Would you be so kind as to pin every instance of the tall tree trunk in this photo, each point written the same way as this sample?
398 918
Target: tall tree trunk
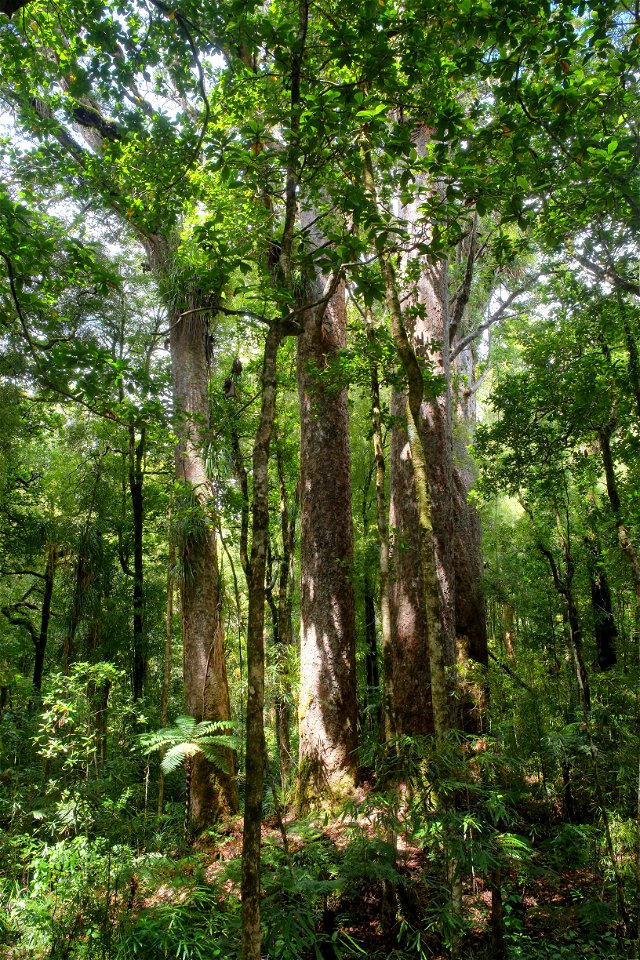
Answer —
205 677
575 634
509 621
434 573
388 727
45 617
470 607
136 480
426 319
328 704
284 696
255 752
564 586
429 336
627 545
371 706
168 645
408 673
389 693
84 576
81 585
604 624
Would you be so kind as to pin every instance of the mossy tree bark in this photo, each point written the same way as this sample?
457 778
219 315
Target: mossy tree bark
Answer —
437 638
328 704
470 607
205 678
389 693
41 640
255 753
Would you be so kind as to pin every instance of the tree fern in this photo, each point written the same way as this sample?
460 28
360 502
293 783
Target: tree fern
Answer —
188 737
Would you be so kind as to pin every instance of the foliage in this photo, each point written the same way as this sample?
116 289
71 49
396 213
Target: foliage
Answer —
187 738
153 161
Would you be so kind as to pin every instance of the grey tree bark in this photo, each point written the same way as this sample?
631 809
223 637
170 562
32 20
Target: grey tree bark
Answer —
206 691
205 678
426 318
470 607
255 766
328 704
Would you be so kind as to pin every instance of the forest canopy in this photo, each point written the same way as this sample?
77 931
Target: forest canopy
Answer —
319 510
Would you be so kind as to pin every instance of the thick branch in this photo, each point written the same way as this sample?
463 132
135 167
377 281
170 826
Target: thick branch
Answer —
291 187
462 295
510 673
495 316
608 274
9 7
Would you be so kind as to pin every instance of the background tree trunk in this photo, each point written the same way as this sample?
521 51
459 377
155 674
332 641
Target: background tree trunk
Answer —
205 678
136 481
255 753
470 607
328 704
604 624
45 617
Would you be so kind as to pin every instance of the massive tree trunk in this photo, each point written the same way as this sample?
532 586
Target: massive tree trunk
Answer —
408 667
328 705
251 929
470 608
426 317
434 323
40 641
205 677
438 639
136 455
206 691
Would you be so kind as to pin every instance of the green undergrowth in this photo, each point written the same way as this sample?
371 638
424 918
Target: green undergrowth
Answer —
90 872
80 898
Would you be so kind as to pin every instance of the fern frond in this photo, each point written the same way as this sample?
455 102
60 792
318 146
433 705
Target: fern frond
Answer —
187 738
175 756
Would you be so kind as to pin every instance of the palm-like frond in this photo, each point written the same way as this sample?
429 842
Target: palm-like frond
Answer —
176 755
188 737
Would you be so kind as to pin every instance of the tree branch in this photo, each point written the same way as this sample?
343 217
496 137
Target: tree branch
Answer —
22 573
461 298
34 347
497 315
514 676
608 274
9 7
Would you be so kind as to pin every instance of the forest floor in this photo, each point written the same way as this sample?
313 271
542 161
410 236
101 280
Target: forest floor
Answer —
334 888
324 895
